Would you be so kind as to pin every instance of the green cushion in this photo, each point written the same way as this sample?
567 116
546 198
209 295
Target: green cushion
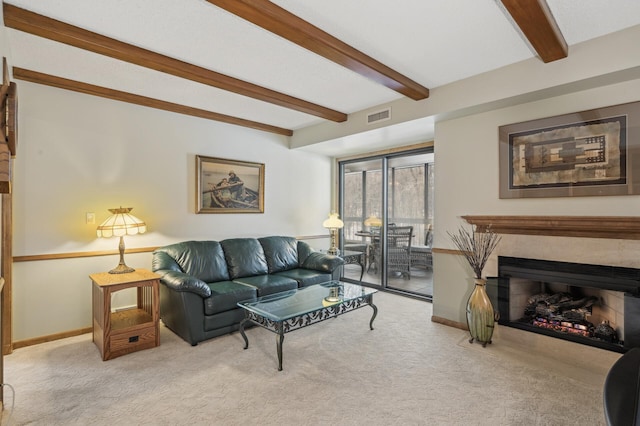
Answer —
201 259
305 277
268 284
281 253
225 295
245 257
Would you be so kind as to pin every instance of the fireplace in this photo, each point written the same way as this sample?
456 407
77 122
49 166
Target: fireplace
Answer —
595 305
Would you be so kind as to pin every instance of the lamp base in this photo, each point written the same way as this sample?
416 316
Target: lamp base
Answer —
333 250
121 269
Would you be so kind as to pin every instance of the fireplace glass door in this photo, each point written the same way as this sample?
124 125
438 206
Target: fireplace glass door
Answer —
596 305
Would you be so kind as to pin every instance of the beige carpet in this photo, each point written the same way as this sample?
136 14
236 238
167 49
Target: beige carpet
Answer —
408 371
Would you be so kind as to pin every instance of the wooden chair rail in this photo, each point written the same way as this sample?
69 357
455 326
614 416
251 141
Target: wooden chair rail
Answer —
73 255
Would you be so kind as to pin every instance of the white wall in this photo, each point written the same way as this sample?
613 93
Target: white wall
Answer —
80 153
466 153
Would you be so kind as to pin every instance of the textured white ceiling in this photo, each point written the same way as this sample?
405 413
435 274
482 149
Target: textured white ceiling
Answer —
433 42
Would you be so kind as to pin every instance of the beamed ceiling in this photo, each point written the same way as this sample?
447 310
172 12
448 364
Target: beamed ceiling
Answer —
284 65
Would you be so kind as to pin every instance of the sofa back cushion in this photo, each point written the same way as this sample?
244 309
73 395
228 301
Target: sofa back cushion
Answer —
245 257
304 250
201 259
281 253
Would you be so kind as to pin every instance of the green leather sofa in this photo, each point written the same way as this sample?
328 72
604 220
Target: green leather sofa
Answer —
202 281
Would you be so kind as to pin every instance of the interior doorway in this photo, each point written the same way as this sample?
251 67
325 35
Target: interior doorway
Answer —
386 204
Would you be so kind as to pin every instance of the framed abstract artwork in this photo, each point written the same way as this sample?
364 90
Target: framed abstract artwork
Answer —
586 153
229 186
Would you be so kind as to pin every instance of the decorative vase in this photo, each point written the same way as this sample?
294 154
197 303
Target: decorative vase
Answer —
480 314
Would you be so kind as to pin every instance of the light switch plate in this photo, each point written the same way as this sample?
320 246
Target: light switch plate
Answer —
91 218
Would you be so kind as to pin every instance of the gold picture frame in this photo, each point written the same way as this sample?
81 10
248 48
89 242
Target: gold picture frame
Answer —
229 186
586 153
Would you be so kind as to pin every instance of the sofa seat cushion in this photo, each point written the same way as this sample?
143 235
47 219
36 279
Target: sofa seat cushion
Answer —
305 277
268 284
225 295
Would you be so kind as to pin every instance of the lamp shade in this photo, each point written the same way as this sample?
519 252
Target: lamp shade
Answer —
121 223
333 222
373 221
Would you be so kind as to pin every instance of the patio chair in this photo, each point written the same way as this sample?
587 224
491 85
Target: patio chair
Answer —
421 254
399 250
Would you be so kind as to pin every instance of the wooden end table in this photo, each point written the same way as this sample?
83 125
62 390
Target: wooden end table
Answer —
130 330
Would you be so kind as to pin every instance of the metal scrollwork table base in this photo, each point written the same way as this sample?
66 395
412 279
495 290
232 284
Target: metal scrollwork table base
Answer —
293 309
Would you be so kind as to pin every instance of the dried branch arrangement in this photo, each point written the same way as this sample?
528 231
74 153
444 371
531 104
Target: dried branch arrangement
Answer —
475 246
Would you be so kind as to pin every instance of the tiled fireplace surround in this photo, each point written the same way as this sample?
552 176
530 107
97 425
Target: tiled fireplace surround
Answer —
609 241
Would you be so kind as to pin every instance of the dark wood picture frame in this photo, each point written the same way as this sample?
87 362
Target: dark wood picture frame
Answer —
586 153
229 186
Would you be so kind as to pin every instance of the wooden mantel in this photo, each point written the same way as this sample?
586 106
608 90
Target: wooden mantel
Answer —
614 227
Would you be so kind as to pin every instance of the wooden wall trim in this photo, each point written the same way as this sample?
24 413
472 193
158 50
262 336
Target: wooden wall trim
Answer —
313 237
450 323
51 337
446 251
7 273
79 254
613 227
73 255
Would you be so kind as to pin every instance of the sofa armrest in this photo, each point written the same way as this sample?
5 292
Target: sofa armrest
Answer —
179 281
322 262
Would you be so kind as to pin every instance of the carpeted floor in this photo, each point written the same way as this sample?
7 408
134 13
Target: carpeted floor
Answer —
408 371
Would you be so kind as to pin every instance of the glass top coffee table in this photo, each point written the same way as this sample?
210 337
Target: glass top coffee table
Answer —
293 309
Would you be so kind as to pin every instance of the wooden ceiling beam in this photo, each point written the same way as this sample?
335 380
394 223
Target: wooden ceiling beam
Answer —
117 95
279 21
535 20
42 26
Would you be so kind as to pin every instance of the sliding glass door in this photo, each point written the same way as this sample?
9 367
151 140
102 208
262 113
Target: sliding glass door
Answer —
361 211
386 203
